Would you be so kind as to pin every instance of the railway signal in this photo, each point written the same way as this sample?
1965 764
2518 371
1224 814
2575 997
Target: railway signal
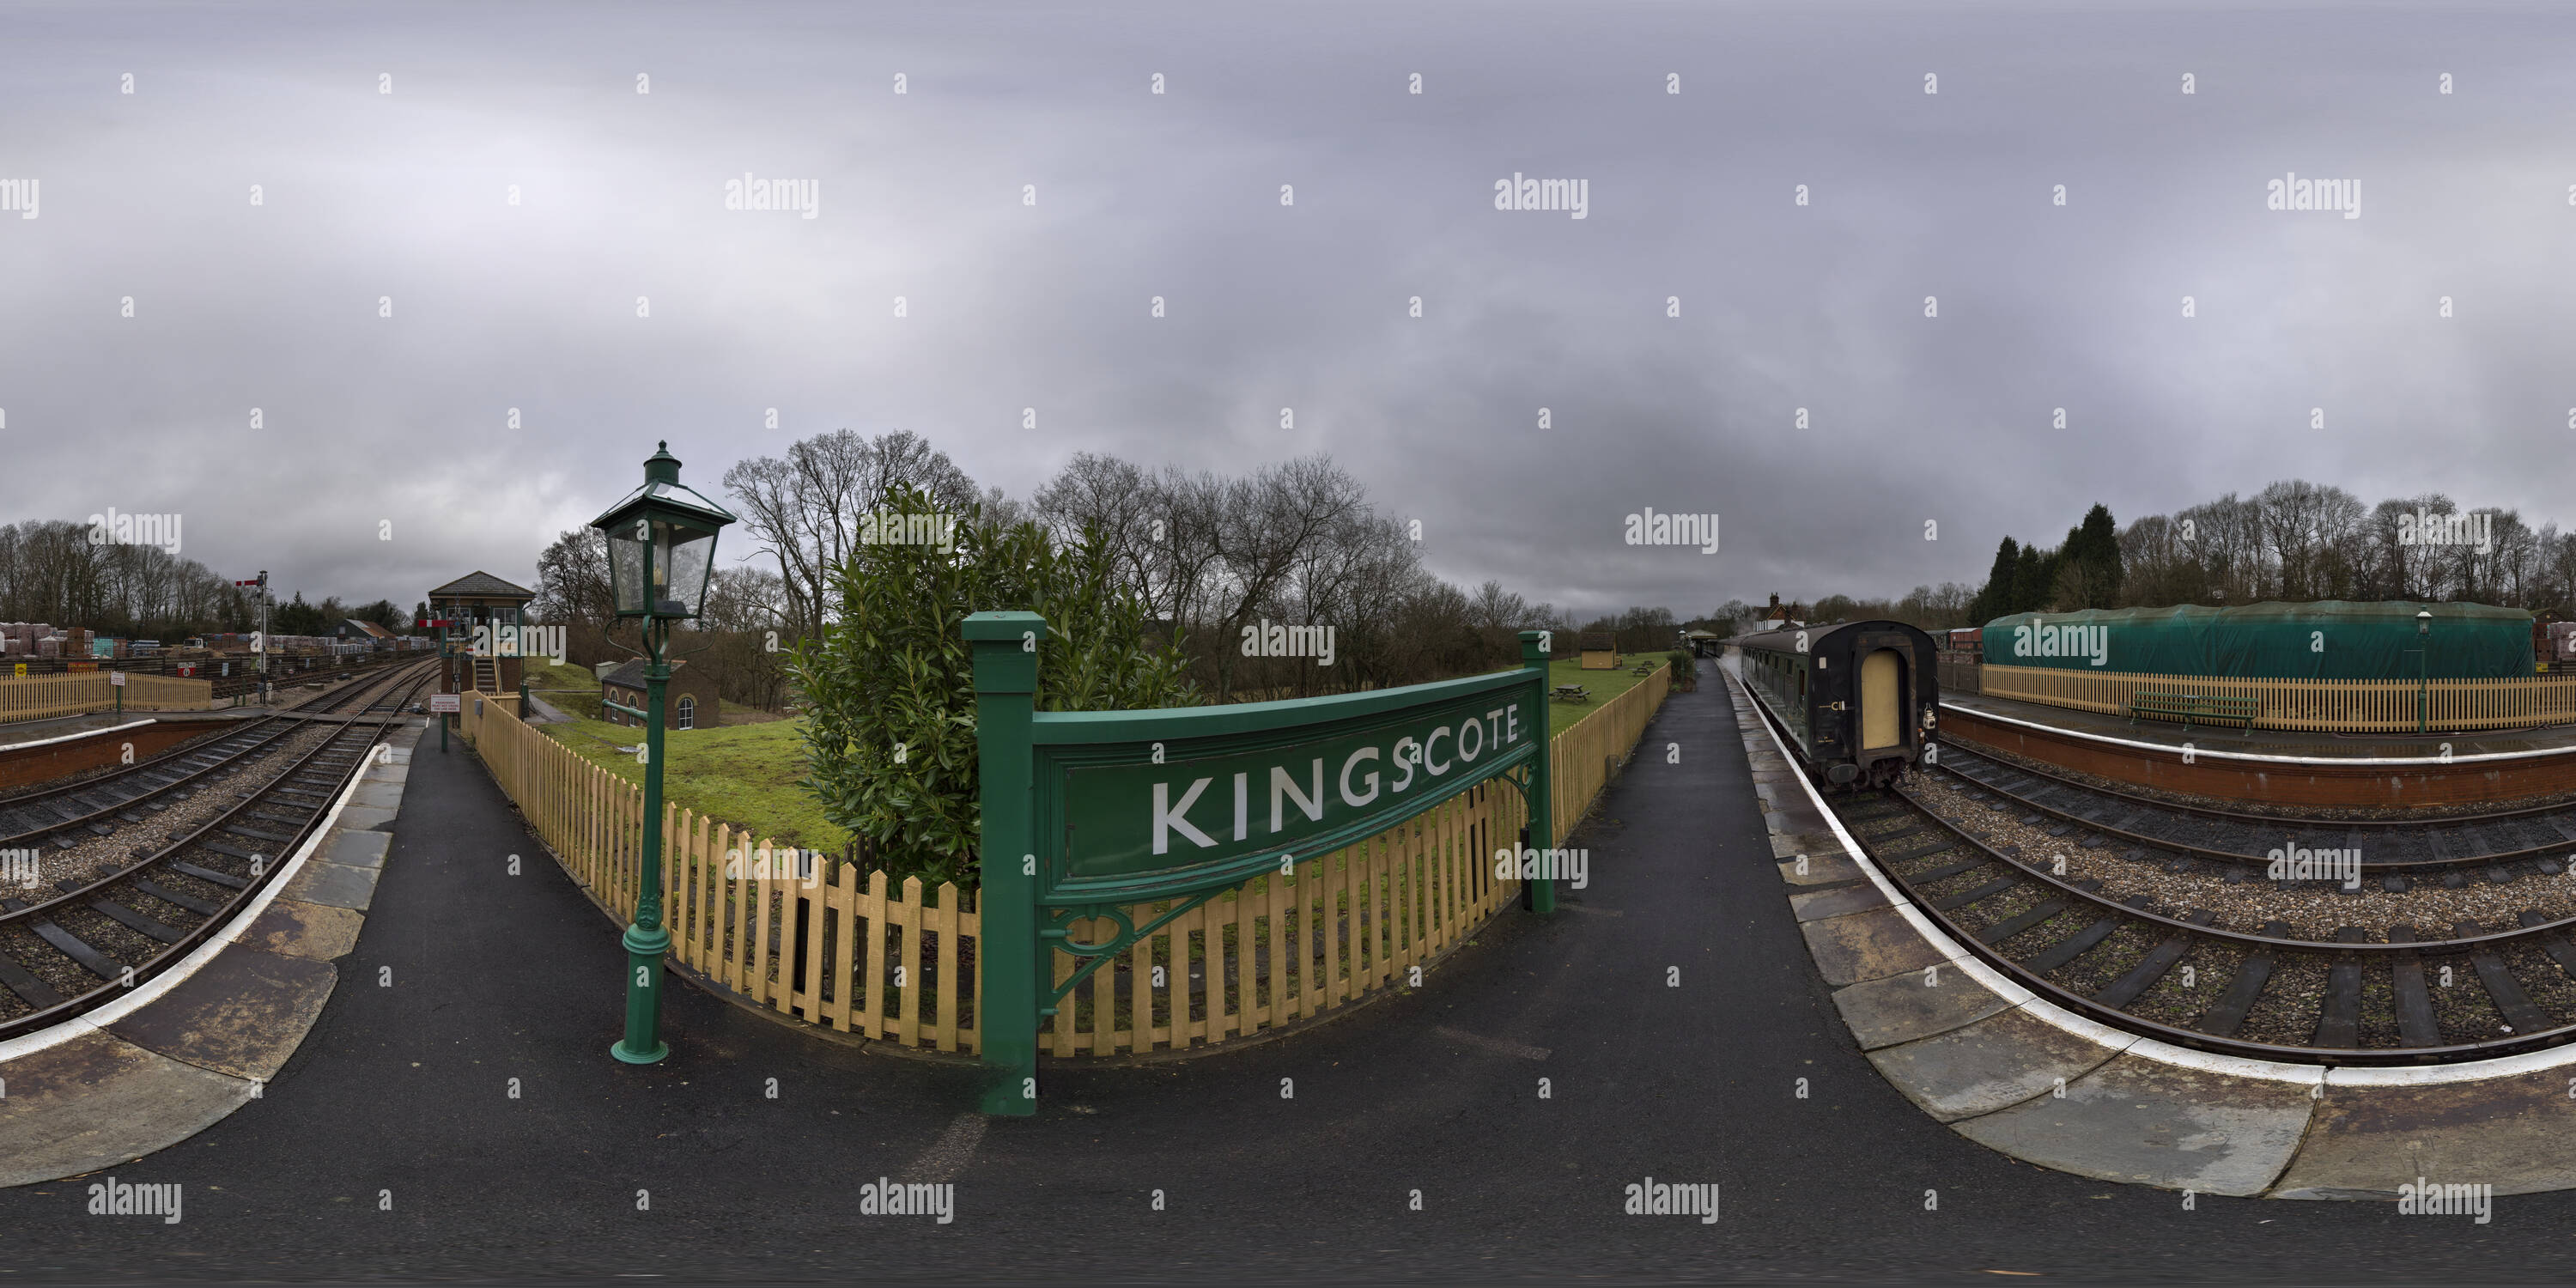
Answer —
260 649
661 552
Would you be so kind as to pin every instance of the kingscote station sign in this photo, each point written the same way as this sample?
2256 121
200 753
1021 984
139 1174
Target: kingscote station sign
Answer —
1240 790
1087 814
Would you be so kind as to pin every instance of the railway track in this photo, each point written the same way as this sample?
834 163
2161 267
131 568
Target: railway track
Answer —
2500 846
88 941
65 815
2467 992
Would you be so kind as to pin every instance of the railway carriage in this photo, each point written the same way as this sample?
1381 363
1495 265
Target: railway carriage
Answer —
1858 698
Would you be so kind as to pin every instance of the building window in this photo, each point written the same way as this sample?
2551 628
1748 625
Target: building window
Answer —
688 713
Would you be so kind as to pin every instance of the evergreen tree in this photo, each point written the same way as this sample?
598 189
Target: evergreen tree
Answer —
2094 547
1995 599
2034 580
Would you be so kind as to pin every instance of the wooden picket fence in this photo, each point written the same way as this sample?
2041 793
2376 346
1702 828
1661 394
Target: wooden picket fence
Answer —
1587 752
43 697
2339 706
823 943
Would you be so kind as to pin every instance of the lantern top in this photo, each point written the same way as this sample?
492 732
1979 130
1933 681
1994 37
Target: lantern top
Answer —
663 495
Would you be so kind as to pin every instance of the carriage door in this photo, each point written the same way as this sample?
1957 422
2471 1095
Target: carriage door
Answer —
1882 704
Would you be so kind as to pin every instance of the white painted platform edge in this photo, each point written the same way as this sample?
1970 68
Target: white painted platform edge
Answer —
215 944
2213 753
2182 1057
68 737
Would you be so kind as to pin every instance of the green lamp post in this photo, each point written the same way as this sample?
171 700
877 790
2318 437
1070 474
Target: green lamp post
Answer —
2423 668
661 554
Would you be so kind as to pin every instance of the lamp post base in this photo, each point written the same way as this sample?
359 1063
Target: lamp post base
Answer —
618 1049
643 1041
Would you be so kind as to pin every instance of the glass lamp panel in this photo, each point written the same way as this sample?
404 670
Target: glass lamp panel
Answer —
661 597
626 568
692 551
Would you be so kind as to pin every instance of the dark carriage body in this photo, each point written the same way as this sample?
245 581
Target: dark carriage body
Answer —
1860 699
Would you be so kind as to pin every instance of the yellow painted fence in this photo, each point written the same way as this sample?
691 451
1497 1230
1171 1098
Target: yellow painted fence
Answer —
2342 706
826 944
43 697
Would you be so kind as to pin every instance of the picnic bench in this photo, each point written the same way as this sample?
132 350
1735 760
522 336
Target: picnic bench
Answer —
2194 708
1570 693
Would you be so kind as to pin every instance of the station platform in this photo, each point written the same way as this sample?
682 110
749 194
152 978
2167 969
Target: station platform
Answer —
452 1109
2273 742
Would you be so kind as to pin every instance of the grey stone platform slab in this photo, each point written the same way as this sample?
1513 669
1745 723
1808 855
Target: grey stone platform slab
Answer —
1992 1064
96 1101
340 887
1866 945
1821 869
1791 844
292 927
2515 1133
2152 1123
361 817
242 1013
356 849
1903 1008
1815 905
377 794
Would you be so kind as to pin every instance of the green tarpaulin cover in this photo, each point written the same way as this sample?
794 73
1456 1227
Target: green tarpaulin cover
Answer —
2328 640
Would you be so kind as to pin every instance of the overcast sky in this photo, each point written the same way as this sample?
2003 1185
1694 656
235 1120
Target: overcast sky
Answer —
367 195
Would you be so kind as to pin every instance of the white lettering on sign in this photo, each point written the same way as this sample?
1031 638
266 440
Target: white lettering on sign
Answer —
1310 787
1167 818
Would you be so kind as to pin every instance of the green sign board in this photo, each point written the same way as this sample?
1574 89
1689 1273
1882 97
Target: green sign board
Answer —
1088 813
1187 800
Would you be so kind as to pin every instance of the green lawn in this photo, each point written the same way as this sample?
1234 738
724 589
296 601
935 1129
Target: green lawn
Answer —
571 689
744 775
1604 685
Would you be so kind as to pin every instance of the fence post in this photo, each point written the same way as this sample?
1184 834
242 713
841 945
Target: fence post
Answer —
1006 954
1542 815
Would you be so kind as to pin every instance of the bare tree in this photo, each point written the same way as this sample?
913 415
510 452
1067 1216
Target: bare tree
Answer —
805 508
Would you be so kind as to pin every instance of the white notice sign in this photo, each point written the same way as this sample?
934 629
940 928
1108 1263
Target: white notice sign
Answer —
443 704
116 678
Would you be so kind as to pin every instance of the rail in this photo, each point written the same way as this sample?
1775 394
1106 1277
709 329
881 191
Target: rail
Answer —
172 898
1924 853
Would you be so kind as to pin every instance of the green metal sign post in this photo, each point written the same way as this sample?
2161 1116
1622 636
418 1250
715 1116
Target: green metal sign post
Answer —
1088 812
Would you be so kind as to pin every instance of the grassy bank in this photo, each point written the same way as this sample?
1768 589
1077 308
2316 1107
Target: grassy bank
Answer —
1603 685
570 689
744 775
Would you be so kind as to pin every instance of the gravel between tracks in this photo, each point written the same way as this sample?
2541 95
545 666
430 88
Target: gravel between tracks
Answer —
98 855
2304 813
218 792
2312 913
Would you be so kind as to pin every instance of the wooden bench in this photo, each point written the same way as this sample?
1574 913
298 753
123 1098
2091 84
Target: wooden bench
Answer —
1570 693
2194 708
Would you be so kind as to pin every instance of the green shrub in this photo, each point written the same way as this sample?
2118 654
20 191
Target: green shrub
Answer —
1685 667
890 688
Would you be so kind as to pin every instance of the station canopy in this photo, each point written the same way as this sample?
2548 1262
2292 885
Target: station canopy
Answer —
2326 640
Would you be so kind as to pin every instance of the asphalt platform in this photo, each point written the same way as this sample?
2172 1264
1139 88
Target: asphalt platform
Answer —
389 1145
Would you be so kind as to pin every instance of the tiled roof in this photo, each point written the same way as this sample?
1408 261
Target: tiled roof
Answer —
631 675
483 584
